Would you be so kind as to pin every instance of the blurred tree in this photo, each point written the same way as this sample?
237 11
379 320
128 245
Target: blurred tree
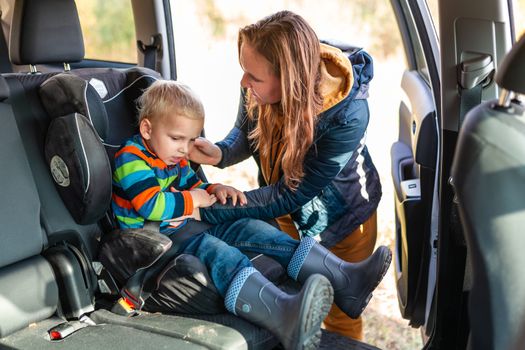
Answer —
372 17
108 29
377 18
214 16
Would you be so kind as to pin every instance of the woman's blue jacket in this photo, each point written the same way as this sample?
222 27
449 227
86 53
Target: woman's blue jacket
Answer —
341 187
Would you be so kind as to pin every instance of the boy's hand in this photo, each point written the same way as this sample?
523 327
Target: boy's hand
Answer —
196 215
201 198
222 192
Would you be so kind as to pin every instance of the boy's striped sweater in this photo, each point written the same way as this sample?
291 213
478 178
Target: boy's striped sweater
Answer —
142 183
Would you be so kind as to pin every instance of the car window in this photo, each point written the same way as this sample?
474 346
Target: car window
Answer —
108 30
418 61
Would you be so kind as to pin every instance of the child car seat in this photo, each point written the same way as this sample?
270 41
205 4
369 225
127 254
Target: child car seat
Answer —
79 148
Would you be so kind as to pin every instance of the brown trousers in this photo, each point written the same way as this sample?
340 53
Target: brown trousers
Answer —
354 248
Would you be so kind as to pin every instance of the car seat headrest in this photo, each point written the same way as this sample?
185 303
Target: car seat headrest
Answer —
511 72
107 97
66 93
45 31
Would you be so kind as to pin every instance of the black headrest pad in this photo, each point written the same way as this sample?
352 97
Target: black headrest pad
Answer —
511 71
66 93
45 31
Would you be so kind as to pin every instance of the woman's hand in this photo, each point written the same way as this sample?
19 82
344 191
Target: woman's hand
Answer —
222 192
205 152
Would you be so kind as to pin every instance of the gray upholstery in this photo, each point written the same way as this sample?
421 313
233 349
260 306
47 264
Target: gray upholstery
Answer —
45 32
224 331
103 336
489 180
21 235
28 293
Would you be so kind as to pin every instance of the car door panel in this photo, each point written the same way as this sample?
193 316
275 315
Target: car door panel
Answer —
413 171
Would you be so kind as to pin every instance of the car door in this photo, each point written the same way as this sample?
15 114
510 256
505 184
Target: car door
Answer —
455 73
474 37
414 163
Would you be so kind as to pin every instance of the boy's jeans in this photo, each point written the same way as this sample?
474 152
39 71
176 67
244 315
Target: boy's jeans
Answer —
221 248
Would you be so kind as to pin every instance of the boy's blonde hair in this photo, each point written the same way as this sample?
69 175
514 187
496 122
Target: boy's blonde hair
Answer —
168 97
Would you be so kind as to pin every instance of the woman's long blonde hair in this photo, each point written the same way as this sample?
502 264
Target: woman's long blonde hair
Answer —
291 46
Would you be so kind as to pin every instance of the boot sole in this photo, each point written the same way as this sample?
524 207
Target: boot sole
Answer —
367 295
315 308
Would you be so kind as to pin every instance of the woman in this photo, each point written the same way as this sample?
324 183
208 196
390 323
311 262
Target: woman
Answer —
302 119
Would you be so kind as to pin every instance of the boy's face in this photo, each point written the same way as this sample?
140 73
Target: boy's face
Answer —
171 137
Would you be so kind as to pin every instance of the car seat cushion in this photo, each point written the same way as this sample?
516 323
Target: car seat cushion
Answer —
29 294
183 285
123 252
80 167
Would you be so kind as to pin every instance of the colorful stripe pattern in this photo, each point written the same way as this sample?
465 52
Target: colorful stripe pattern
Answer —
141 186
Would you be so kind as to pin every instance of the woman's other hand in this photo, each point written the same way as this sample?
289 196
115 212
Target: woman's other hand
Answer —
223 192
205 152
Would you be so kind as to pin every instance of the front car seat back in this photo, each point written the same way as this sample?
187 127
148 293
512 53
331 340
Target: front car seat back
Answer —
489 179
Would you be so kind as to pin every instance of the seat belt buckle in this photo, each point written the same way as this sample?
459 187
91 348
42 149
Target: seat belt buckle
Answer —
125 307
64 330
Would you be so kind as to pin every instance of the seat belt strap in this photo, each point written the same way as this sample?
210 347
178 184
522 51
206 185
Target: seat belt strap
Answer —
152 225
474 71
151 51
470 98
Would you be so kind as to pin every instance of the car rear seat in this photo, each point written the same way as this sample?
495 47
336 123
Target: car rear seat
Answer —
29 290
58 225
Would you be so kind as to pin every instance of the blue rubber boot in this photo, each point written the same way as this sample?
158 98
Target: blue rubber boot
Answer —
353 283
294 319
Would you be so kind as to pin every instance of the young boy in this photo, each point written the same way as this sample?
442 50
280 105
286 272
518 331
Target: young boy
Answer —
153 181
